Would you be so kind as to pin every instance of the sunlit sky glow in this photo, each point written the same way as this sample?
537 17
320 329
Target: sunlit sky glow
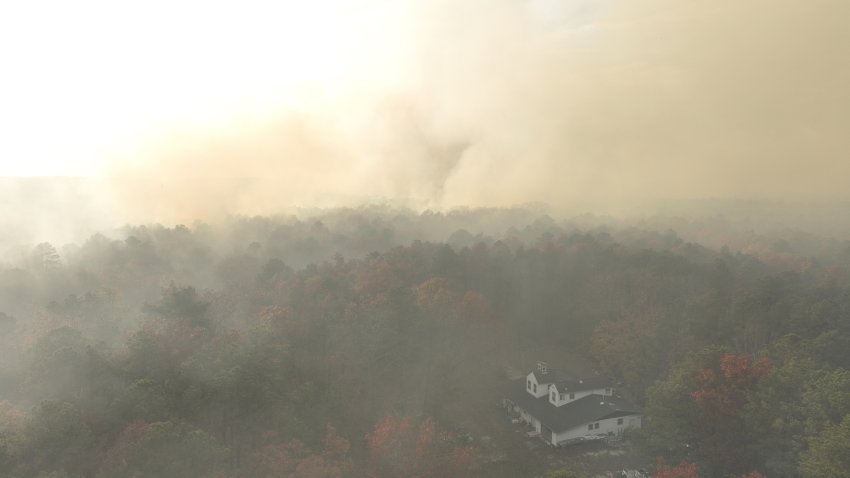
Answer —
453 102
82 79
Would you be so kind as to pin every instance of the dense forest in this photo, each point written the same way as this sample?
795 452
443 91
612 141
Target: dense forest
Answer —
375 342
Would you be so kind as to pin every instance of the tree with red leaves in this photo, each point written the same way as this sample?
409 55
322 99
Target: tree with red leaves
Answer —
720 398
398 447
686 469
293 459
174 449
474 307
682 470
752 474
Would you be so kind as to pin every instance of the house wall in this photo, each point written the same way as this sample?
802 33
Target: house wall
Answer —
605 427
583 393
528 418
542 388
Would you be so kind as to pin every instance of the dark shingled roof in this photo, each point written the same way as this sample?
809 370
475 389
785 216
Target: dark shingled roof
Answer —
578 385
551 376
587 409
566 383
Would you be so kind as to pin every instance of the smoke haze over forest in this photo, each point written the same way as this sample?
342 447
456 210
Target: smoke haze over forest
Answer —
437 104
321 239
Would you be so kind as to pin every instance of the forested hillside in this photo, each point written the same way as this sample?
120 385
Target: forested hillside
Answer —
368 343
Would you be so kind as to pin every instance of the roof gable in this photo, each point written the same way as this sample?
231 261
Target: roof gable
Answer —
583 384
551 376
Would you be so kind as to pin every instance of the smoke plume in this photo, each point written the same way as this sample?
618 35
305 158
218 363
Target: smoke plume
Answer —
494 102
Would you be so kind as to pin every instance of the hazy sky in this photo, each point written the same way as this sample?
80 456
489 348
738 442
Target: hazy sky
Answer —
196 107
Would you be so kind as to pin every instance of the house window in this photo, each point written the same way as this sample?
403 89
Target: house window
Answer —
596 426
528 385
590 426
535 388
554 397
619 421
563 396
572 396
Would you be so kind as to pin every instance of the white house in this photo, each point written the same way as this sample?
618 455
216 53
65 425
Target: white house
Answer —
563 410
